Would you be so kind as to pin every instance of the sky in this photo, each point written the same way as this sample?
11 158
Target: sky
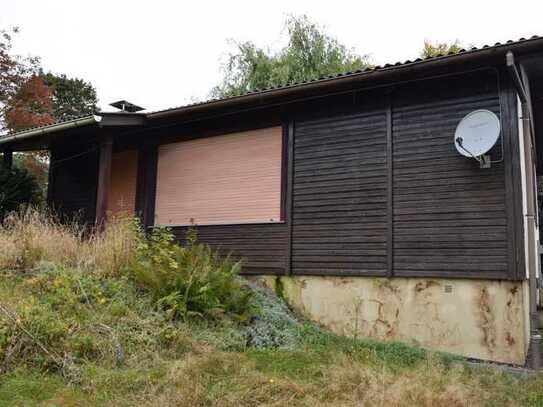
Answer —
161 53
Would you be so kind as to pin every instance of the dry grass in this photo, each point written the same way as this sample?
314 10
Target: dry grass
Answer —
233 379
31 236
171 363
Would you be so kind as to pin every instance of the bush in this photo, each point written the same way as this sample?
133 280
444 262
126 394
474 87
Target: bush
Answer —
17 187
190 281
275 326
57 319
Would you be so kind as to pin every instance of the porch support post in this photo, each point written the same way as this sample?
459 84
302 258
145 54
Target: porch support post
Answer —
104 181
8 159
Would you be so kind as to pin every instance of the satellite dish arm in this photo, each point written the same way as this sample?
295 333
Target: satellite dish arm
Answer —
459 141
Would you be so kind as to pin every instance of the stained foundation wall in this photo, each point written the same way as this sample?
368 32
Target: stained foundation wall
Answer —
480 319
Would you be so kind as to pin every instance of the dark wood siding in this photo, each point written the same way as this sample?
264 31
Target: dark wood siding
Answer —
383 191
74 174
373 186
449 214
261 247
339 218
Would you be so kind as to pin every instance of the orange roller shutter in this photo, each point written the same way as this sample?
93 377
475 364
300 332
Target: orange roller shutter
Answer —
229 179
122 196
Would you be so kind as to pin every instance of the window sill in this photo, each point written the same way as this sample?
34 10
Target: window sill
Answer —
184 225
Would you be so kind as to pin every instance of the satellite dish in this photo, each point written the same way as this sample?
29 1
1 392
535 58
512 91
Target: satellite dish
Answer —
477 133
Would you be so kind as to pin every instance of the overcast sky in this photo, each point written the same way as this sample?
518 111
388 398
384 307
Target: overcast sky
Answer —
160 53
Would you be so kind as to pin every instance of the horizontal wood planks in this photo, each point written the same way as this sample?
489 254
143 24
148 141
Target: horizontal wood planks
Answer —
261 247
339 218
449 214
383 191
374 187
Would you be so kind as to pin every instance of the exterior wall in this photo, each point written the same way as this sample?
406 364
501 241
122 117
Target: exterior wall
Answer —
479 319
449 215
73 182
375 189
383 191
228 179
122 196
261 248
339 215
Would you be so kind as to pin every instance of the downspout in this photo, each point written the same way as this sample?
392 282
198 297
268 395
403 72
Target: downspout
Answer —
535 337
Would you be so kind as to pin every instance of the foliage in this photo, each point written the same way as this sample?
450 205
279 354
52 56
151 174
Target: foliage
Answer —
434 49
19 82
37 165
74 330
275 326
72 97
17 187
30 236
310 53
30 98
31 106
64 318
189 281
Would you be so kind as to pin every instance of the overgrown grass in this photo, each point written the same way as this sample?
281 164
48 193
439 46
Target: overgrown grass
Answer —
77 329
29 236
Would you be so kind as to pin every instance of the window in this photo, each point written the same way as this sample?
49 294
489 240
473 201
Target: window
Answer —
229 179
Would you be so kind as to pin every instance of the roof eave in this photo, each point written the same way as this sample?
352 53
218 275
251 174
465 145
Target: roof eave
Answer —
102 120
79 122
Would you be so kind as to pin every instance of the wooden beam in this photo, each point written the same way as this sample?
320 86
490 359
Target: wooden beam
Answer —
390 190
51 178
104 181
8 159
289 194
146 184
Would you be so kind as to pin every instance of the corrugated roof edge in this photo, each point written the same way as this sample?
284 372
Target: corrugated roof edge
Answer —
324 79
89 119
31 132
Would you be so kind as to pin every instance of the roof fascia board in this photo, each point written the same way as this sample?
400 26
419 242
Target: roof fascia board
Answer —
121 119
82 121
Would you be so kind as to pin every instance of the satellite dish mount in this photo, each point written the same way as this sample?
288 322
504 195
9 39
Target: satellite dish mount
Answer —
484 159
476 134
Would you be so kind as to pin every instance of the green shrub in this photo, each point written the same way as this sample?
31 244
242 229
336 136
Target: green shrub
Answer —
190 281
276 326
17 187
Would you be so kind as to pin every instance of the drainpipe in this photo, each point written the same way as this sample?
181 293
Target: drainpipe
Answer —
535 337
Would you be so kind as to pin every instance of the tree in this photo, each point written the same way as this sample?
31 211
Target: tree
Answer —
29 97
310 53
72 97
434 49
30 106
24 98
17 187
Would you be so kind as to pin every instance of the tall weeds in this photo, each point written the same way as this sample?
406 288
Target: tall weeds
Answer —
31 236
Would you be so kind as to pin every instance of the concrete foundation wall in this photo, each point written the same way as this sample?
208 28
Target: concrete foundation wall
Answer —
474 318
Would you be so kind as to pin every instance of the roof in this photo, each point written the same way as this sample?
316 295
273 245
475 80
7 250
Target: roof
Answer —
365 71
288 87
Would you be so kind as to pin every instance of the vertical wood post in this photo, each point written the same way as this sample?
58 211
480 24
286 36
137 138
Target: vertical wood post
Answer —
289 194
513 189
8 159
104 181
51 179
146 184
390 190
